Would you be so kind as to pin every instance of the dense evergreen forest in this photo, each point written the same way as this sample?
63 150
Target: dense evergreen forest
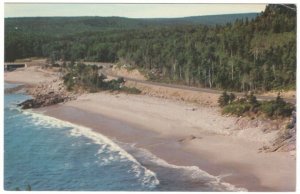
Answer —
237 52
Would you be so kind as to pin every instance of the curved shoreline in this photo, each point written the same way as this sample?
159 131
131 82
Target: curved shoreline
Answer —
171 150
183 136
140 156
111 129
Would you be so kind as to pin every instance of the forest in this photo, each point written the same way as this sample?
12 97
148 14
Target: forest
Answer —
251 52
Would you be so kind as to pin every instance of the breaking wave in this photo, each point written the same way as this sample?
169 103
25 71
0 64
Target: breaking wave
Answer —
114 153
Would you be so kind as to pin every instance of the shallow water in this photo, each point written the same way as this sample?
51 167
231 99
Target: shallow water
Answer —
49 154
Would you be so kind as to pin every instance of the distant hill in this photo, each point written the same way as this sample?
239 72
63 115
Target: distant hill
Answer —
62 25
205 20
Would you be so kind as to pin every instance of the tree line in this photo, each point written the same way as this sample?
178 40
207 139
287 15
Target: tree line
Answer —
243 55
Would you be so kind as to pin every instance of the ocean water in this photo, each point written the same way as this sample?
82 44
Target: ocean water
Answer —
53 155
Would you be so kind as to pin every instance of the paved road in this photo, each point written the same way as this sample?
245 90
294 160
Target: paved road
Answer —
212 91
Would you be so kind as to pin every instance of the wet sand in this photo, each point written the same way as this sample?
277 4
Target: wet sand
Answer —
154 124
180 133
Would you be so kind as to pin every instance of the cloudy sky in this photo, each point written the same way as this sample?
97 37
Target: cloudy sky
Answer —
126 10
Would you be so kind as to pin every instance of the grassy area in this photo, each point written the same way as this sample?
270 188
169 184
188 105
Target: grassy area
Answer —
130 90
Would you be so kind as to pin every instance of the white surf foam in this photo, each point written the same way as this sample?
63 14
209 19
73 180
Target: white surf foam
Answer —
117 154
194 173
147 177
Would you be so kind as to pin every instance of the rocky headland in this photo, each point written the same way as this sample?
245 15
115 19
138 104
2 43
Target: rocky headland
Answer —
47 94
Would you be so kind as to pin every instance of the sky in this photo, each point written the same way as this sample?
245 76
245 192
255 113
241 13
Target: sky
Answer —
126 10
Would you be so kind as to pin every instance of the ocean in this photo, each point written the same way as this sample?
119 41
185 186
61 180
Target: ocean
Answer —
47 154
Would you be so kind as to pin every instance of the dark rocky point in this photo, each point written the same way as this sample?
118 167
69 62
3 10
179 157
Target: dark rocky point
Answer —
44 100
47 94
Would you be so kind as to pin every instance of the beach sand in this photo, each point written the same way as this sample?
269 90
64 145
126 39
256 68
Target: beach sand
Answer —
180 133
185 134
29 76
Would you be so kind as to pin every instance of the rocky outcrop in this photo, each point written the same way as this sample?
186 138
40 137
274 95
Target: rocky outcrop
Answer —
286 140
44 100
47 94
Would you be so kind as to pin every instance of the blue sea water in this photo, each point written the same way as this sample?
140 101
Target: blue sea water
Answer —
53 155
49 155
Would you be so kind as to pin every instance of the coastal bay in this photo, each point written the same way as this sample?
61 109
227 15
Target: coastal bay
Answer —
176 97
182 134
200 138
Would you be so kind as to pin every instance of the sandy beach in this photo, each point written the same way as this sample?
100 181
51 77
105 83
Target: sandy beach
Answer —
181 133
31 76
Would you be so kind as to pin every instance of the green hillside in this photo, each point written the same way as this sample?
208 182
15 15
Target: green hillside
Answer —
257 53
59 26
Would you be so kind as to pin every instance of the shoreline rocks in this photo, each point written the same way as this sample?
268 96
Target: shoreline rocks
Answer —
47 94
44 100
286 140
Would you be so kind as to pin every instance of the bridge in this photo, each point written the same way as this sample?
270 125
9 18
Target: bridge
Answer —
14 66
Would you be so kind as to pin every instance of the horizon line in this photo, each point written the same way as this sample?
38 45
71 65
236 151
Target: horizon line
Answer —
133 17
